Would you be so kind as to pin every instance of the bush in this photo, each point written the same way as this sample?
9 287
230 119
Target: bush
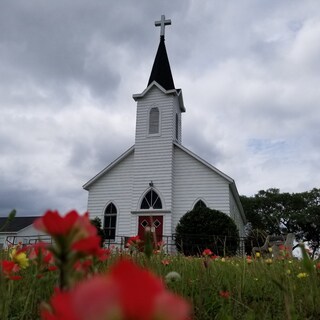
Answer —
204 228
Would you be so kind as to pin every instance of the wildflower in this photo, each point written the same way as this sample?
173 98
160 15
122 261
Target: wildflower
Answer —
214 257
224 294
288 271
165 262
9 269
270 249
87 246
173 276
133 241
207 252
258 255
302 275
78 226
268 261
318 266
127 292
249 259
20 258
223 260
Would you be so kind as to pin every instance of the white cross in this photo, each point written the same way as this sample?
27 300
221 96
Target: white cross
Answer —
162 23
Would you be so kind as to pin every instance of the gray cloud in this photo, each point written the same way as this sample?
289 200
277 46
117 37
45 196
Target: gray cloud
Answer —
249 73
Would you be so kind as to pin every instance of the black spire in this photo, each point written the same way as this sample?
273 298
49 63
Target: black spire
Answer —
161 72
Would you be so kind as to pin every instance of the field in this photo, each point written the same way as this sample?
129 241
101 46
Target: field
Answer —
75 279
217 288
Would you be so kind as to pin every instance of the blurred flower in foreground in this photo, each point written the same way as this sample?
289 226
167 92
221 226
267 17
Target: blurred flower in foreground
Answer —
19 256
9 270
127 292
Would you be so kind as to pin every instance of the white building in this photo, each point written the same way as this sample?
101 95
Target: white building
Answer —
158 180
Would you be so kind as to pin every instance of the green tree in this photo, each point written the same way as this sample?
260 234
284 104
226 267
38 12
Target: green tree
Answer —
272 212
204 228
97 223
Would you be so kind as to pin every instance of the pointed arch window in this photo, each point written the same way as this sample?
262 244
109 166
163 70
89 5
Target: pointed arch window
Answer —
151 201
154 117
199 204
110 221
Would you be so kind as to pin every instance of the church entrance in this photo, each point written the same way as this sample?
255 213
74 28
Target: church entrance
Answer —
156 225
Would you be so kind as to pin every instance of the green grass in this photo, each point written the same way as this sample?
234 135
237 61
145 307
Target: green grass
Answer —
282 289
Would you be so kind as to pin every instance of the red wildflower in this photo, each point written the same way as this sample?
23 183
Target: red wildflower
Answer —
9 269
133 241
127 292
56 225
87 246
224 294
207 252
318 266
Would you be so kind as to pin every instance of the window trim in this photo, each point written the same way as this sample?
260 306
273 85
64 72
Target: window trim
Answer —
198 200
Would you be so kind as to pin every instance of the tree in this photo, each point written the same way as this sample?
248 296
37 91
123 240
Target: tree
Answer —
273 212
204 228
97 223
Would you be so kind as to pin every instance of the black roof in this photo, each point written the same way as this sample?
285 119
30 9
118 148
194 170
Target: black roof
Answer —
16 224
161 72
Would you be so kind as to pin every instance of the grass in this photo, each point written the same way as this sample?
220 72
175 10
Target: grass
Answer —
223 288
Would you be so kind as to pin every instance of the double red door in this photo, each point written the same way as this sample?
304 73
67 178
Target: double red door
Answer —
154 222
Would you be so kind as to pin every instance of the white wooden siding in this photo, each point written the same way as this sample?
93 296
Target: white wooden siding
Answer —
153 156
115 186
194 180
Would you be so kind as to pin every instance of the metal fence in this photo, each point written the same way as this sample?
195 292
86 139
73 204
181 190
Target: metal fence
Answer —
172 243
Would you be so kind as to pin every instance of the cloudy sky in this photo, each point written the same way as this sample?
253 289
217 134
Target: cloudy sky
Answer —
249 71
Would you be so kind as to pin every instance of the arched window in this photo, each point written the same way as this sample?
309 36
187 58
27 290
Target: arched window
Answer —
151 201
110 221
199 204
154 120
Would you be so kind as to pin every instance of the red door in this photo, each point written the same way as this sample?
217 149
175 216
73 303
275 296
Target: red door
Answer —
155 223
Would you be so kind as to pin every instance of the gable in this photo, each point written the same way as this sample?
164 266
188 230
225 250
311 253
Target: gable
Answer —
112 165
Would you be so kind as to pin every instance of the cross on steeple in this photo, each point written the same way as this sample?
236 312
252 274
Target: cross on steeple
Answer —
162 23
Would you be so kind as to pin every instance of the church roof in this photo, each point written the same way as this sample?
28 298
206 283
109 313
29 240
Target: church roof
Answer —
161 71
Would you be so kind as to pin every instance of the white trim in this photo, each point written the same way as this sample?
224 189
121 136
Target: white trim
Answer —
207 164
148 212
109 167
176 92
198 199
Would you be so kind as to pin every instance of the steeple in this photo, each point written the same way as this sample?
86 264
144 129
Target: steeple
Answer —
161 71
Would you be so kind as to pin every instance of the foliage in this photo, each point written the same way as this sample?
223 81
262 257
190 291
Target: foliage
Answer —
273 212
206 228
98 224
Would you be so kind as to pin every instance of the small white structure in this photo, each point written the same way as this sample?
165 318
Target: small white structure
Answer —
157 180
20 229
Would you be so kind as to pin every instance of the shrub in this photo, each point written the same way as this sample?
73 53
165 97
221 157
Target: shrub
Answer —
203 228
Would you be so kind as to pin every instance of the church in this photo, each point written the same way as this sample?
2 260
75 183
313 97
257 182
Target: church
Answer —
156 181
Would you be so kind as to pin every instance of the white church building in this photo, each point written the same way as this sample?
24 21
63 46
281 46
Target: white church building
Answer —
156 181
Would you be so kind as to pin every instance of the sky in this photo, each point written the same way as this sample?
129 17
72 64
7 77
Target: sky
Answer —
249 71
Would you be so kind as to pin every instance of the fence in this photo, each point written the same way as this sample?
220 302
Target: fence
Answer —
172 243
